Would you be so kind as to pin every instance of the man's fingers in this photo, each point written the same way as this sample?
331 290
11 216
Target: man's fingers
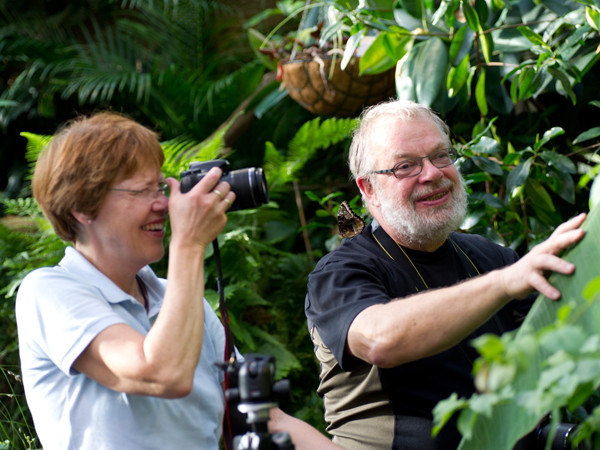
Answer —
560 240
571 224
541 284
555 264
545 264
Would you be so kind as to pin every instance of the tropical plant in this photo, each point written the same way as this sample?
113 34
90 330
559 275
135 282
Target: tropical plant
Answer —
550 367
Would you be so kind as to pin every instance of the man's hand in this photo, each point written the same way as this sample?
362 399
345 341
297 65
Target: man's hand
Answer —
531 272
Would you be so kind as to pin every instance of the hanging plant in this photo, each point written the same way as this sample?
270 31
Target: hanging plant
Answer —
317 62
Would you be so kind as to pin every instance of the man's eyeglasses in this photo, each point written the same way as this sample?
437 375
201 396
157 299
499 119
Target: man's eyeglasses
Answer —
411 167
147 193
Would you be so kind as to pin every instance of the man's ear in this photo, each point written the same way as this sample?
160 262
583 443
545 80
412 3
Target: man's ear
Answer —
367 190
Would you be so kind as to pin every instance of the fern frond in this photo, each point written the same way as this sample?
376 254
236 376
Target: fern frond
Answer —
314 135
35 144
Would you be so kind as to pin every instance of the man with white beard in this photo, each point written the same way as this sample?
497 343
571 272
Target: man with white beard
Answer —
392 310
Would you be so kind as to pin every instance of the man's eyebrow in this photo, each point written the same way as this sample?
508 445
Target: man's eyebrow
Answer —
402 154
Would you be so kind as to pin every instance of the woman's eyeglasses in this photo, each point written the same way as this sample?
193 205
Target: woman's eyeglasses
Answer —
147 193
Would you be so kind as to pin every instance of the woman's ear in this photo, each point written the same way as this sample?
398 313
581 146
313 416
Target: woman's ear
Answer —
82 218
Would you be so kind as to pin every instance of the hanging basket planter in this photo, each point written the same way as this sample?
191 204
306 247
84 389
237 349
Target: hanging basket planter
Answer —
339 93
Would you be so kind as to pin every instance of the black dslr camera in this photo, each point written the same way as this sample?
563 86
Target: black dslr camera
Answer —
249 185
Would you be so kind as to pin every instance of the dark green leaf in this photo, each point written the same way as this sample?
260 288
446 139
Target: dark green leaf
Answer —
487 165
518 175
461 45
472 219
561 162
413 7
592 133
478 177
538 195
486 145
471 16
565 83
482 10
562 184
430 68
488 199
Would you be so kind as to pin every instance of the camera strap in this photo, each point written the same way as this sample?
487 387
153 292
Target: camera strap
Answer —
229 344
229 355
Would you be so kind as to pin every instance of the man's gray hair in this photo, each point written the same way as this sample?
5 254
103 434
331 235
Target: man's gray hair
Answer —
360 158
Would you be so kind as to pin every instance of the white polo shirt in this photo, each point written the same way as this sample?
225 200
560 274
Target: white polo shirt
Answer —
59 311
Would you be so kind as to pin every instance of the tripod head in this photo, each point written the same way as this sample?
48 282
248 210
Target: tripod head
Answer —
255 393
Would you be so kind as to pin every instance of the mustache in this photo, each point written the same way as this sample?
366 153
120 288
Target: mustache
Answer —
428 190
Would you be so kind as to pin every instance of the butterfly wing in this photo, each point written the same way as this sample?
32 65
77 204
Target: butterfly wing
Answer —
349 223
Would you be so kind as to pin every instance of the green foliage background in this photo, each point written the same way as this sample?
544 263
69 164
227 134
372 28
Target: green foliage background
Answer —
516 81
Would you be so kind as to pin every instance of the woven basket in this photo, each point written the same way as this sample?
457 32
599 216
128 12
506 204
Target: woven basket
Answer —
340 93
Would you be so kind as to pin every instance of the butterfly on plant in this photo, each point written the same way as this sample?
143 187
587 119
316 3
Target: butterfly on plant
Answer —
349 223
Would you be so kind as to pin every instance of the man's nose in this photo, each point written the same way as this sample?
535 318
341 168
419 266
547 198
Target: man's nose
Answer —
429 172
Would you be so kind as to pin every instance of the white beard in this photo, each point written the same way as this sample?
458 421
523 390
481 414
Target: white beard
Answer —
414 229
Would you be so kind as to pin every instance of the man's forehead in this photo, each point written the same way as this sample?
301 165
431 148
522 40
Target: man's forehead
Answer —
397 138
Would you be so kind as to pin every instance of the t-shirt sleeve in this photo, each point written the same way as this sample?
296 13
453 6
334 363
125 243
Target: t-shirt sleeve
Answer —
58 316
338 290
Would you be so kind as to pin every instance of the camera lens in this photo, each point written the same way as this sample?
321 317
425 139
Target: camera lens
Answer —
560 438
250 187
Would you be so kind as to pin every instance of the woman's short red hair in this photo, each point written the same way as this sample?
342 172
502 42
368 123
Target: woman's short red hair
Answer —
81 162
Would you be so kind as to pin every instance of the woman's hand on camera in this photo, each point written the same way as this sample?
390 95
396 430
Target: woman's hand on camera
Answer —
198 216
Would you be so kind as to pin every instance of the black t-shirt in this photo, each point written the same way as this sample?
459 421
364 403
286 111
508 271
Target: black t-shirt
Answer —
371 269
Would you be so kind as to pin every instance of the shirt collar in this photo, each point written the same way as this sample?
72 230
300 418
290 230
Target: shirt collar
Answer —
75 263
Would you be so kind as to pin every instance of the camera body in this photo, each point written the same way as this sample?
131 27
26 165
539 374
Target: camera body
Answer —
249 184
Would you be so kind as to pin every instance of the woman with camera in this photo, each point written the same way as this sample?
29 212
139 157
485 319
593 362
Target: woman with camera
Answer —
112 356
